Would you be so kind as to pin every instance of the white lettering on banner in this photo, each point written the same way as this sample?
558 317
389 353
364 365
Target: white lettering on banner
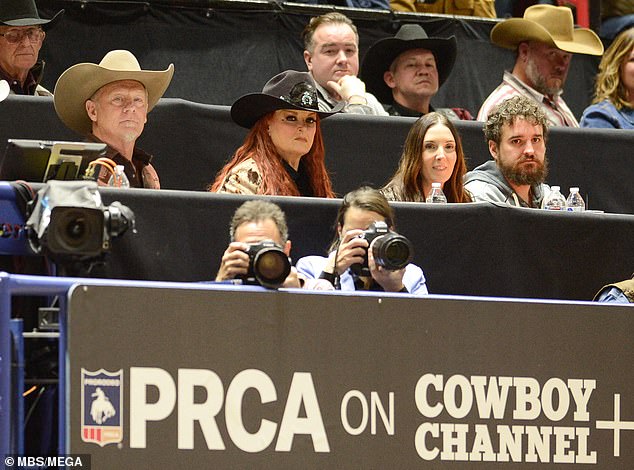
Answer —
557 403
140 410
189 412
243 439
302 391
540 441
376 405
457 395
301 394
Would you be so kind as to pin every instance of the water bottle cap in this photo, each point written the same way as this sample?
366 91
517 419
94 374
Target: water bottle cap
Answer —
435 185
555 188
574 190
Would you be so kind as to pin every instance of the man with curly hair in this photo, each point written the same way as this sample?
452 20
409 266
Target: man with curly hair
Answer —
516 132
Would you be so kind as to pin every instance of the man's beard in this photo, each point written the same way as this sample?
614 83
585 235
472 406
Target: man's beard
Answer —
525 176
538 81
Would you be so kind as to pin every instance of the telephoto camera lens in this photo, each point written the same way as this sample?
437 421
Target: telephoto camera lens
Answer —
390 250
268 264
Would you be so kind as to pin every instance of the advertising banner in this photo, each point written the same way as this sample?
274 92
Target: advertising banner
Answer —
249 379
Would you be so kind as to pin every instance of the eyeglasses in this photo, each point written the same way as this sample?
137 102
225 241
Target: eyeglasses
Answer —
16 36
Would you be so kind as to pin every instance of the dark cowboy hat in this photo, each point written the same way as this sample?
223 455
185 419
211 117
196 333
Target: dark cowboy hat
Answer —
382 53
24 13
286 90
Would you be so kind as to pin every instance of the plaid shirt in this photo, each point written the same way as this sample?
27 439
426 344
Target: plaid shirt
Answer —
556 110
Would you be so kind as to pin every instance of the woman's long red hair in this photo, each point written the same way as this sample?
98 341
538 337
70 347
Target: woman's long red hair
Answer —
275 179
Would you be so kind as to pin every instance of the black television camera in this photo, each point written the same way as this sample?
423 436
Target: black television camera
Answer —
268 265
390 250
70 225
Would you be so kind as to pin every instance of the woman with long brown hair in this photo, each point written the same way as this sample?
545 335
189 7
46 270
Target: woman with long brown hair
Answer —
283 153
432 154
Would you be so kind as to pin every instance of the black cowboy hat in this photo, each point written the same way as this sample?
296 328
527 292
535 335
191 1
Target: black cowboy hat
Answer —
382 53
286 90
24 13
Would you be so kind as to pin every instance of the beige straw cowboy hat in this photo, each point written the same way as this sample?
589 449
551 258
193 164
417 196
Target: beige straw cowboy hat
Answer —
78 83
549 24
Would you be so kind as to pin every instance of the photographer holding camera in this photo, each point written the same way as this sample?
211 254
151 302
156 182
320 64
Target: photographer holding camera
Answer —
366 254
259 248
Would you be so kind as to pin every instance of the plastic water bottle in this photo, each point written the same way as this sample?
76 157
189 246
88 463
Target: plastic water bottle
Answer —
555 201
436 195
575 202
119 179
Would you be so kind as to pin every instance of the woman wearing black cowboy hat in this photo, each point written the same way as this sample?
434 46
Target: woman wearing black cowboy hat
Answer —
283 154
22 33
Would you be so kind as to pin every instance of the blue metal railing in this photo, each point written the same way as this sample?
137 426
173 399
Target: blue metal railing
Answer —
17 284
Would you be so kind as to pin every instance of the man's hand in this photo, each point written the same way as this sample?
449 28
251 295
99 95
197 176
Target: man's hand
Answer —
292 280
391 281
235 262
350 88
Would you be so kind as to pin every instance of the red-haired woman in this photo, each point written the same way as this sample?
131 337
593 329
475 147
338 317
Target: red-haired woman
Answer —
283 154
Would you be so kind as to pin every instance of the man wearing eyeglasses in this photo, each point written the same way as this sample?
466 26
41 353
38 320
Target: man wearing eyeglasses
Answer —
22 33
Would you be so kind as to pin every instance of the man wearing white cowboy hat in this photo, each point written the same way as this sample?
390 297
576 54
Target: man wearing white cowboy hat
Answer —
22 33
405 72
108 102
545 39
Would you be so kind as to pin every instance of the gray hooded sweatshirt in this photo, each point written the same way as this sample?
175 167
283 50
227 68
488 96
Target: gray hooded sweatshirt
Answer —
487 184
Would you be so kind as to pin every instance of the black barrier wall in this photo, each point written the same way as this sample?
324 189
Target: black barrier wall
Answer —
464 249
191 142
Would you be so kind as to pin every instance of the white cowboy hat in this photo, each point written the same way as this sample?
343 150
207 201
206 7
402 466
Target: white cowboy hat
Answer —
79 82
549 24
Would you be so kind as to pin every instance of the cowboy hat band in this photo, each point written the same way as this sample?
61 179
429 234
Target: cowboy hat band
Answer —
287 90
382 54
548 24
79 82
24 13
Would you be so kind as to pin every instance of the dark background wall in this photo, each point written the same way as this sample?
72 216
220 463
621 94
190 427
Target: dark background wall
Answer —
222 50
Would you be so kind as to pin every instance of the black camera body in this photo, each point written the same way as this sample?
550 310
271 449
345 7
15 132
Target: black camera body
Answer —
390 250
268 265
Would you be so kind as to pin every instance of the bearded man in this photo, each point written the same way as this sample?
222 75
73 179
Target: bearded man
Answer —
544 40
516 133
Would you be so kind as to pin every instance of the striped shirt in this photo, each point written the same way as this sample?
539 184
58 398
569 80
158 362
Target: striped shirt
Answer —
556 110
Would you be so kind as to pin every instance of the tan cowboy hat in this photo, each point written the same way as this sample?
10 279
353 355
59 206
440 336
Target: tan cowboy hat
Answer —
549 24
78 83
